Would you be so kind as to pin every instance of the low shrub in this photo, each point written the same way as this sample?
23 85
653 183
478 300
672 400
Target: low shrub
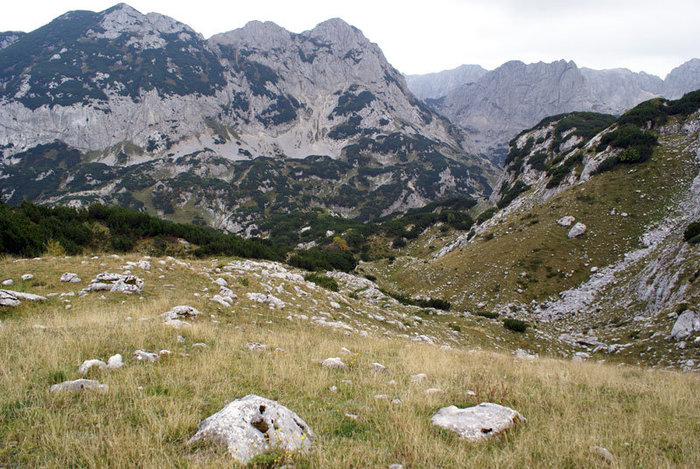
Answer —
321 280
515 325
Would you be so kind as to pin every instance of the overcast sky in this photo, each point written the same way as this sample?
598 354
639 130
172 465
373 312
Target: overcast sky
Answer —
432 35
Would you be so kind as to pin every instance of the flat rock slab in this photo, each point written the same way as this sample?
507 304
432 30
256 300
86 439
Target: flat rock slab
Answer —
685 325
477 423
78 385
252 425
14 298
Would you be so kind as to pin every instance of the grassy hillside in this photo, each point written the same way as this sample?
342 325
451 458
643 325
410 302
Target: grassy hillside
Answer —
150 410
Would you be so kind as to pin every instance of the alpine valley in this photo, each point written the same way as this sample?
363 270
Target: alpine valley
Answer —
266 213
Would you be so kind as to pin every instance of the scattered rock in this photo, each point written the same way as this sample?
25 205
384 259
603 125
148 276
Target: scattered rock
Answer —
114 362
352 416
434 391
603 453
334 363
116 283
252 425
594 269
79 385
581 356
180 339
334 388
578 230
470 392
566 221
419 377
14 298
8 282
379 368
142 355
395 466
27 277
221 282
200 345
70 277
255 347
345 351
272 301
687 323
175 316
87 364
477 423
524 355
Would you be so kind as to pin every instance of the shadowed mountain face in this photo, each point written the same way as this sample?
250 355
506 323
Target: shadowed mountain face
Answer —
496 105
165 120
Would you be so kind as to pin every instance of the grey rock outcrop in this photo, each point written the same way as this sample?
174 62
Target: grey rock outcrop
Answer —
8 38
116 283
14 298
334 363
566 221
252 425
79 385
477 423
180 312
70 277
686 324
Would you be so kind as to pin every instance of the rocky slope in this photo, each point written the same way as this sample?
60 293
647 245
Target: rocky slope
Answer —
141 110
515 96
587 234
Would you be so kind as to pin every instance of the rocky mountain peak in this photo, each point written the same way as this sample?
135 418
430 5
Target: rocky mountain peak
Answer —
123 19
682 79
254 35
340 33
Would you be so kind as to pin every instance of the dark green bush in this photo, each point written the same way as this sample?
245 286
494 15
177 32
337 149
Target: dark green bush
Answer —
692 233
321 280
317 259
488 314
515 325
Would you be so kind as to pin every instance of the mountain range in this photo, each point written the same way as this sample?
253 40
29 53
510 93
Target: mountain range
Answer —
495 105
140 110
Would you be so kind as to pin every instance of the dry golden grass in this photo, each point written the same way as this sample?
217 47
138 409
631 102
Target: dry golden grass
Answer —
646 419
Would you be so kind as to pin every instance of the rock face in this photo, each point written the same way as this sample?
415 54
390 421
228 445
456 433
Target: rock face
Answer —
686 324
682 79
252 425
477 423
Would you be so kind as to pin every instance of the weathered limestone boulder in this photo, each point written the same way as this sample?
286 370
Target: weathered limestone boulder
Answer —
272 301
87 364
107 281
379 368
70 277
566 221
252 425
27 277
79 385
14 298
686 324
578 230
7 283
143 356
175 316
477 423
255 346
334 363
418 377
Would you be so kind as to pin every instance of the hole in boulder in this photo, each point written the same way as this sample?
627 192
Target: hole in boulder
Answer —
261 425
300 425
486 430
262 409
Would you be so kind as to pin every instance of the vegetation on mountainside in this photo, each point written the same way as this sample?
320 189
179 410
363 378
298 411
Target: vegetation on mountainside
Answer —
27 230
692 233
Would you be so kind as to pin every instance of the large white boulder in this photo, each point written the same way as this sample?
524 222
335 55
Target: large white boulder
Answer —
252 425
334 363
477 423
578 230
685 325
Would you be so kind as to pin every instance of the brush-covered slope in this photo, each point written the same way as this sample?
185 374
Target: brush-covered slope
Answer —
635 186
118 106
362 418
